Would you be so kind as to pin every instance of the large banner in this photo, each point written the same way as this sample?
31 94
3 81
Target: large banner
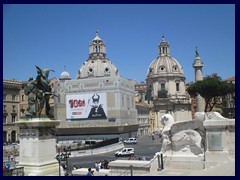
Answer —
86 106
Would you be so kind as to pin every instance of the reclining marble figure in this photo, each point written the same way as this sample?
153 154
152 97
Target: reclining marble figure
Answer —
182 137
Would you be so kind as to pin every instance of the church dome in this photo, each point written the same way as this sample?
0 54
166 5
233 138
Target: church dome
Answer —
165 77
97 64
164 64
97 68
65 75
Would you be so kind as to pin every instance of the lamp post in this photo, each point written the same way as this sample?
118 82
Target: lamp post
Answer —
63 156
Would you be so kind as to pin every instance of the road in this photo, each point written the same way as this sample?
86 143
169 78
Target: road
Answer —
145 147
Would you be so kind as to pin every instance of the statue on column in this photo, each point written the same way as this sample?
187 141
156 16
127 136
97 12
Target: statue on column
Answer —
39 92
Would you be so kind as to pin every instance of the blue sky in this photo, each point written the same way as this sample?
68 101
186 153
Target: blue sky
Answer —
54 36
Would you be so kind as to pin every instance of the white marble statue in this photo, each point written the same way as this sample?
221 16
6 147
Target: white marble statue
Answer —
167 121
181 137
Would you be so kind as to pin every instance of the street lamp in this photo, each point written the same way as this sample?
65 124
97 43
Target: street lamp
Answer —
63 156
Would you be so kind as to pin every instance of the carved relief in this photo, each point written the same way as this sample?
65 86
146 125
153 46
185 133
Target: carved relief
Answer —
40 132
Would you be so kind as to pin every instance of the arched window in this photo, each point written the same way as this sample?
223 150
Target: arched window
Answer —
162 86
13 136
177 86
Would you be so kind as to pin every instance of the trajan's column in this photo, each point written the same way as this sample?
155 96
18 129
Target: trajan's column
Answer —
197 65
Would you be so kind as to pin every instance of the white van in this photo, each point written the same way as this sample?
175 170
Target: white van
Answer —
130 141
125 152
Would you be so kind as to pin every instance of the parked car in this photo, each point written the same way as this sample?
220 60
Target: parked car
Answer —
125 152
130 141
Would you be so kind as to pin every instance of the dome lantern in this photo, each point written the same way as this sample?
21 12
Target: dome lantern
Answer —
97 48
164 49
97 64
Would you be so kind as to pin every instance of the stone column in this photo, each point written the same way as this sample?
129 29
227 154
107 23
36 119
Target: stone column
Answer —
197 65
38 146
216 138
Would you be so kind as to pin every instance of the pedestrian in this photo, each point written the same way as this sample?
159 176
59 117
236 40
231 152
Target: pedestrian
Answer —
4 166
11 157
96 166
99 165
8 165
92 172
89 172
153 137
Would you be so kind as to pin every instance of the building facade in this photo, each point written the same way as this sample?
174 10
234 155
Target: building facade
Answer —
166 89
142 109
11 109
143 118
193 101
98 101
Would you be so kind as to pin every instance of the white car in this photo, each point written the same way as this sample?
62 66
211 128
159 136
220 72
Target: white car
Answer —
125 152
130 141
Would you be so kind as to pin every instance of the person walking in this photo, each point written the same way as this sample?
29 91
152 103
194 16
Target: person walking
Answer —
153 136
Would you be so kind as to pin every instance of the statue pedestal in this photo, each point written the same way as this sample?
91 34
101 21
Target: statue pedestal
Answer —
216 138
38 146
183 162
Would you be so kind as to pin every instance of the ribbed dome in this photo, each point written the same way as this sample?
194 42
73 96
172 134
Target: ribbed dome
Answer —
97 68
165 65
64 75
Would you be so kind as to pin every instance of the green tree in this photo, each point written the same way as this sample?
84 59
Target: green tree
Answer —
211 89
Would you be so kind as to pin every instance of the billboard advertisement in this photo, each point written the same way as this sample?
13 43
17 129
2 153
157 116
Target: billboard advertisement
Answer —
86 106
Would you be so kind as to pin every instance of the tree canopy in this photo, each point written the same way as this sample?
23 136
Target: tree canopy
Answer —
211 89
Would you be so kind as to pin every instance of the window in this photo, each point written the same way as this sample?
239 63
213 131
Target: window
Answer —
90 71
22 111
22 97
4 108
13 108
177 86
13 97
13 118
162 68
4 96
162 87
4 119
175 68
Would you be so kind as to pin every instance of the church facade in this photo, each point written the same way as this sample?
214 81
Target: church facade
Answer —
166 91
98 101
